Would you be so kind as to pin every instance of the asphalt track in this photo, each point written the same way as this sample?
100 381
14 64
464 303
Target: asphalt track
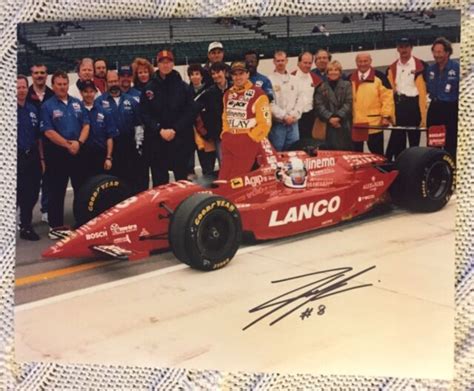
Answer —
38 278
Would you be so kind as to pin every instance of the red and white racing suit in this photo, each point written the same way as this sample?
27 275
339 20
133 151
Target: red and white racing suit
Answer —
246 120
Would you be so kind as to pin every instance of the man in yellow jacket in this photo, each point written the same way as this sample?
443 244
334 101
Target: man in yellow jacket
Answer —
406 76
246 120
372 102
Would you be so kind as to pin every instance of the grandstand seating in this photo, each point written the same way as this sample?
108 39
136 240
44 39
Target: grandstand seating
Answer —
122 40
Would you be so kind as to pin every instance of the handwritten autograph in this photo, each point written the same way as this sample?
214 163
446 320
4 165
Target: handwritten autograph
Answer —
324 287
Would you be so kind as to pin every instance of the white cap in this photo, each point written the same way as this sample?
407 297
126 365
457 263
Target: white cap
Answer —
215 45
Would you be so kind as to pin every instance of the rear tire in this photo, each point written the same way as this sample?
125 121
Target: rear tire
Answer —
426 179
205 231
98 194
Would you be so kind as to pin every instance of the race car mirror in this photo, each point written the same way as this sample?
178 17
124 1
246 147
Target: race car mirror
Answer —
360 132
436 136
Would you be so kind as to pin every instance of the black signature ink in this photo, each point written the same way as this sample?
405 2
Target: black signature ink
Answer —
321 309
324 287
306 314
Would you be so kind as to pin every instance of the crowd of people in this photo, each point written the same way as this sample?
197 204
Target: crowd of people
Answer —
135 120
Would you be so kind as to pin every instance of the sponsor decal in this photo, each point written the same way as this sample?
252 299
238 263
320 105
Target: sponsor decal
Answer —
123 239
93 222
144 232
240 123
366 198
235 104
452 72
76 106
96 235
127 103
181 185
208 208
374 185
317 163
305 211
324 171
57 114
218 265
236 114
431 75
100 117
95 194
127 202
254 181
118 230
267 115
267 147
321 183
242 206
235 183
249 93
106 104
360 159
259 83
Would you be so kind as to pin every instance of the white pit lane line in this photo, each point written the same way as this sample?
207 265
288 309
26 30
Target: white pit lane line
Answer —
124 281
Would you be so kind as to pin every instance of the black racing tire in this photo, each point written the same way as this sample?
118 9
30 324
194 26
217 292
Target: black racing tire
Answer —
205 231
425 181
308 145
98 194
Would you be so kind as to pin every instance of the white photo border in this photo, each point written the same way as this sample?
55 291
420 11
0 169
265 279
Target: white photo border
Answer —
40 375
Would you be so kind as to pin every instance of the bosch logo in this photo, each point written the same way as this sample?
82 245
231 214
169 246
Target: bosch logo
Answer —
305 211
96 235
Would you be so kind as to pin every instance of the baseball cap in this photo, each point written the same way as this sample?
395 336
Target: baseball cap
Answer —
83 84
238 66
215 45
404 41
165 54
125 70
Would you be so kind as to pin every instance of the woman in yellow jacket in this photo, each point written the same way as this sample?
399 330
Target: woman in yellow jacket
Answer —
372 102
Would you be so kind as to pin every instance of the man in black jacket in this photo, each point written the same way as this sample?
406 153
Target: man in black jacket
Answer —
166 110
210 104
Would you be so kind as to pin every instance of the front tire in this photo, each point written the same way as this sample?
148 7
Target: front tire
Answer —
98 194
426 179
205 231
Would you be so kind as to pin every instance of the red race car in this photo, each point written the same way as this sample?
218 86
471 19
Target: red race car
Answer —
285 194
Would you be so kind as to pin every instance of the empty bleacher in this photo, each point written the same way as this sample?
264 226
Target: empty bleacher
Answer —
61 44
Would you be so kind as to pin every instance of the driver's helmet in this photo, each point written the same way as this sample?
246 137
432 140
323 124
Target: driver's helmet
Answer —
294 174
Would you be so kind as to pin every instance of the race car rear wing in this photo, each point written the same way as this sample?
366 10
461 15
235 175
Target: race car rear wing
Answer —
436 135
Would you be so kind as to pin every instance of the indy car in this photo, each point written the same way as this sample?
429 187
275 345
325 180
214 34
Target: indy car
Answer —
284 194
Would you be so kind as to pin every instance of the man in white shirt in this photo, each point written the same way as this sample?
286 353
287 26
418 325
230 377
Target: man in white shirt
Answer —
409 90
85 71
307 82
286 106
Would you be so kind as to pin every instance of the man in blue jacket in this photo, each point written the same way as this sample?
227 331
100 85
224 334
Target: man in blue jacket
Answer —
30 160
442 80
258 80
65 124
124 110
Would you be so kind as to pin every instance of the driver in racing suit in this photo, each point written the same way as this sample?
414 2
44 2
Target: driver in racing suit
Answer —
246 120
